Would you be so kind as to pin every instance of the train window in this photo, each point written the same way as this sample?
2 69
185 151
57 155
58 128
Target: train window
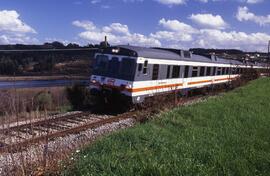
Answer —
202 69
219 71
101 65
127 70
168 71
208 71
226 71
223 71
145 67
145 70
229 71
214 71
238 70
186 71
145 63
194 71
176 72
233 71
140 67
113 68
155 72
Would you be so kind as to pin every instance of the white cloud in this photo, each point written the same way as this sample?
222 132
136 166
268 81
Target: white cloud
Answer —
180 37
219 39
172 36
176 34
209 21
10 22
117 33
117 28
244 14
171 2
17 39
87 25
254 1
95 1
176 25
174 31
13 30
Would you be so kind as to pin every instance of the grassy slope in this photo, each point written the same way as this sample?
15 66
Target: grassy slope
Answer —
228 135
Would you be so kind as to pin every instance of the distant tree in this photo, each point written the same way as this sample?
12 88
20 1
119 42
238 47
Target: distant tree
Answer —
90 45
73 45
8 66
57 44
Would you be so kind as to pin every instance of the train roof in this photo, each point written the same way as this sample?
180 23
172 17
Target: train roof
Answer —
168 54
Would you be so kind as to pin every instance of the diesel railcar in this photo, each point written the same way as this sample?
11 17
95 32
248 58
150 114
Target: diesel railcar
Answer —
138 72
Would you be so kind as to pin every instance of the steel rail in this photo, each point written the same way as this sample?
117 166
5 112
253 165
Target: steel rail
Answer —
22 145
41 122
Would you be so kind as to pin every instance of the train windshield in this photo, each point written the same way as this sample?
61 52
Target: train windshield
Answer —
114 67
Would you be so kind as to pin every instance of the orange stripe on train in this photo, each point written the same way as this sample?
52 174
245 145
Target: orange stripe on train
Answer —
154 87
134 90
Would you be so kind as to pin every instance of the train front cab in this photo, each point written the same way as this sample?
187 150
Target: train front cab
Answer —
113 77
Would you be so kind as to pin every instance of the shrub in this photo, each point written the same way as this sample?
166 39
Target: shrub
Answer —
79 97
43 100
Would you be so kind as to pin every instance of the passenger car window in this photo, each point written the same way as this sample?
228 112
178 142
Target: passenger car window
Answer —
214 71
219 71
208 71
223 71
168 71
145 65
186 71
140 67
194 71
155 72
202 69
176 71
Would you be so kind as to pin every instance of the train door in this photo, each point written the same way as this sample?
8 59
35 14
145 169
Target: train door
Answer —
186 76
155 74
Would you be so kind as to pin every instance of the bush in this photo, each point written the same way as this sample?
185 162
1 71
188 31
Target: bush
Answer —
79 97
43 100
250 74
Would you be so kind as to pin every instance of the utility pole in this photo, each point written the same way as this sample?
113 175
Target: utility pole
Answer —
268 61
269 51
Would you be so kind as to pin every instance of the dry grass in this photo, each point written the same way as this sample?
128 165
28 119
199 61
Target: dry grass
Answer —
19 104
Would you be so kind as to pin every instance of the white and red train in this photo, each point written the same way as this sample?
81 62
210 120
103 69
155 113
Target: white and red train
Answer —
137 72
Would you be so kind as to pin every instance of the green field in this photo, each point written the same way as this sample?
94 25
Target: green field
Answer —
226 135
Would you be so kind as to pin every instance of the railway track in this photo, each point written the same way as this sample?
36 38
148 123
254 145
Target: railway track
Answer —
19 137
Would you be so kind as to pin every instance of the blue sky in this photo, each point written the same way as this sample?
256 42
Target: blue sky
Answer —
241 24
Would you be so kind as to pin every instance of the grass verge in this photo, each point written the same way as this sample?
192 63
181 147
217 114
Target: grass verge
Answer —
228 135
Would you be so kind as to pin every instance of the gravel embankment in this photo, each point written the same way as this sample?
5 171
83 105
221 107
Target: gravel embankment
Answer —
71 142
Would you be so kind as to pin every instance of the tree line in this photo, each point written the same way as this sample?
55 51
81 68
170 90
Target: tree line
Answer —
18 63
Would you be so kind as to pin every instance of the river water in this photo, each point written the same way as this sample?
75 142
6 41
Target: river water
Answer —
41 83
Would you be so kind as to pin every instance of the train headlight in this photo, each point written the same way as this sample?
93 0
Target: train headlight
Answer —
128 86
115 50
93 81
